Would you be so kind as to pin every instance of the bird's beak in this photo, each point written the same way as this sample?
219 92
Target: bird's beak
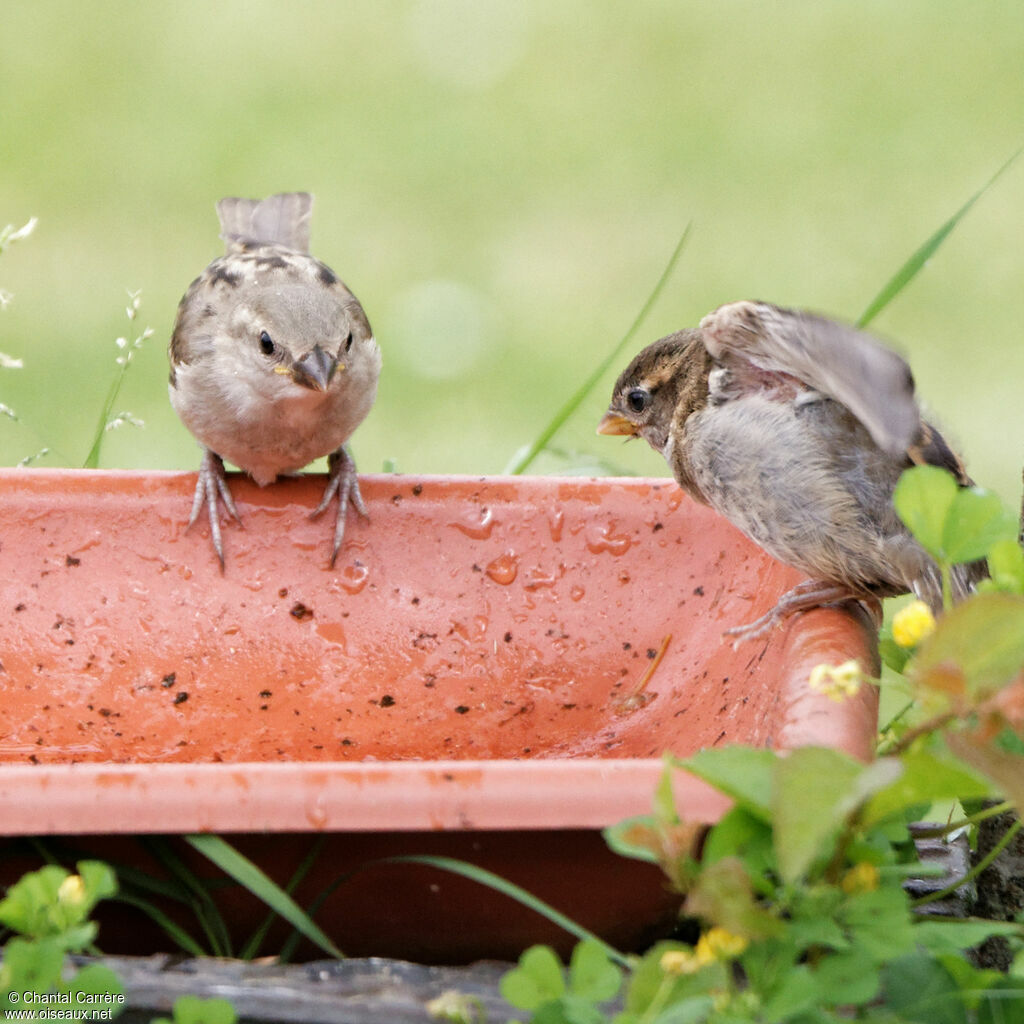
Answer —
315 369
613 423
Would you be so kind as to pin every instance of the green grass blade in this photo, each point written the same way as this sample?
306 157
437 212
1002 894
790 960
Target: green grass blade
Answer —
92 460
243 871
138 882
43 851
924 253
510 889
203 906
252 947
172 929
288 947
523 459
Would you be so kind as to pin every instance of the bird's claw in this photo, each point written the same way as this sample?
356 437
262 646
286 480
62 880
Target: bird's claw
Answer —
803 597
211 485
343 482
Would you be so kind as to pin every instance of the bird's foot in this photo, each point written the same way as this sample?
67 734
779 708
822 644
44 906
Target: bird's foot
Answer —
212 485
343 482
802 598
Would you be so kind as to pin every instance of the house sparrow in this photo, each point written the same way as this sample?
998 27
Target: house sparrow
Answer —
273 362
796 429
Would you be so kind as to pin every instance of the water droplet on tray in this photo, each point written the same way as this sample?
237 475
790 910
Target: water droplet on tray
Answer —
316 815
333 633
604 538
477 525
503 569
555 524
354 577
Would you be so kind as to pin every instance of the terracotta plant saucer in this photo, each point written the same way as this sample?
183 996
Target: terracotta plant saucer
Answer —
494 666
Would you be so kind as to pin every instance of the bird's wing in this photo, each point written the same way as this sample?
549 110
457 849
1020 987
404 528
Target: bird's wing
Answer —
874 383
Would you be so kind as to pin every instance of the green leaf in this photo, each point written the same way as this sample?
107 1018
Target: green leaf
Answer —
664 803
78 936
32 966
648 981
1009 742
814 790
97 981
850 976
1006 566
892 655
692 1010
968 979
954 936
743 773
569 1010
637 838
1006 770
812 919
193 1010
1002 1003
723 895
923 498
925 779
878 923
99 880
954 524
983 637
537 980
924 253
920 989
797 991
975 521
29 906
741 834
592 975
240 868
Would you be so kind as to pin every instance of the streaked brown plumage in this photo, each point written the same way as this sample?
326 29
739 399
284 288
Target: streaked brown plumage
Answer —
796 429
273 362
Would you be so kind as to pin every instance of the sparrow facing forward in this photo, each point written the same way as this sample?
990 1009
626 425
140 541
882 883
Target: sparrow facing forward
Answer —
796 429
273 362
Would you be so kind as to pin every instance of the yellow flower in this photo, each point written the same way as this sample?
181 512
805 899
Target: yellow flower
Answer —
71 891
680 961
714 945
862 877
837 681
910 625
720 944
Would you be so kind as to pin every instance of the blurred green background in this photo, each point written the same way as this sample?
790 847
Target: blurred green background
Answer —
501 184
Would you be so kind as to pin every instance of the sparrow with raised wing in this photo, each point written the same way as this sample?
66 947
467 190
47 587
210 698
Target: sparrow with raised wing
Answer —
273 362
796 429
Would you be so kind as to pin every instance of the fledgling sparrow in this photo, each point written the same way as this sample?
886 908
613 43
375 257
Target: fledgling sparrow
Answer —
273 362
795 428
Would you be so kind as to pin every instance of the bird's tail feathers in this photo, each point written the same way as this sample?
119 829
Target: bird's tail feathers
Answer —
281 219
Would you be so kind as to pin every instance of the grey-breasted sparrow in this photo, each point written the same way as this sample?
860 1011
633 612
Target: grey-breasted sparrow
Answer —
273 362
795 428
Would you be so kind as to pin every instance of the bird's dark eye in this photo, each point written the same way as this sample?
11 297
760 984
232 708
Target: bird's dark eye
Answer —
266 344
348 341
638 399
